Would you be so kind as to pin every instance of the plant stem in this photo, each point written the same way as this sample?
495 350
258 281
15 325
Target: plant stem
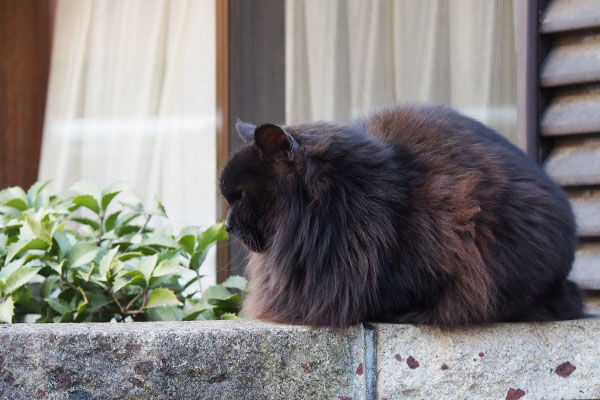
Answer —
145 225
121 309
64 279
101 231
125 311
140 294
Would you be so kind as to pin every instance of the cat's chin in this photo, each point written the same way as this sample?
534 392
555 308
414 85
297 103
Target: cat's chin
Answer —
253 248
252 245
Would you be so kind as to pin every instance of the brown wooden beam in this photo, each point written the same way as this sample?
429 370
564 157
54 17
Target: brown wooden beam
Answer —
222 98
26 32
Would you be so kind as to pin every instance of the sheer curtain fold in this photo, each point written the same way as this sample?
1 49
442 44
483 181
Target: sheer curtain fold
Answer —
132 97
348 57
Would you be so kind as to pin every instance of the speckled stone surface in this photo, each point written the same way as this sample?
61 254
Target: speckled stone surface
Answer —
507 361
180 360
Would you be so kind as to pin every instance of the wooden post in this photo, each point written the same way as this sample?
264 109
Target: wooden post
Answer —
26 32
254 90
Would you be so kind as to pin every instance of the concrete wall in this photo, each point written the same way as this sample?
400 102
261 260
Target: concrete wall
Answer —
253 360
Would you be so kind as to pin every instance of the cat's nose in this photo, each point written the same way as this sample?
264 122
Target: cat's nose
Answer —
228 226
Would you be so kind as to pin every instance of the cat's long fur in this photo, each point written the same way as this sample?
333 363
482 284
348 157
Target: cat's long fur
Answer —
417 214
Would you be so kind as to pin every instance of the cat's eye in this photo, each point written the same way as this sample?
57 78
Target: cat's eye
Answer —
235 196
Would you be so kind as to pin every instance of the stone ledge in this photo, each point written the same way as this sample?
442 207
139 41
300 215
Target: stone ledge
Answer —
254 360
179 360
486 362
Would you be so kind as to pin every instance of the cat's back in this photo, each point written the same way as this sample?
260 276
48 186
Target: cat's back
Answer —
437 135
498 221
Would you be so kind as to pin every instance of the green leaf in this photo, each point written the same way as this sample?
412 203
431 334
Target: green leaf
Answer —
208 314
7 310
166 281
48 286
197 259
194 307
128 278
97 301
125 230
16 203
89 222
22 245
20 277
116 266
165 314
130 255
126 217
14 197
231 304
146 266
161 297
63 243
213 234
10 268
111 191
82 253
81 307
24 301
106 262
190 282
42 230
161 239
58 267
85 188
111 221
159 208
10 211
59 305
229 316
88 202
236 282
3 241
85 272
35 190
166 267
187 242
215 292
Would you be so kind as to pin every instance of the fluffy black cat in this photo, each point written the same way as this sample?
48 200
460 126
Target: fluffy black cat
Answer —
416 214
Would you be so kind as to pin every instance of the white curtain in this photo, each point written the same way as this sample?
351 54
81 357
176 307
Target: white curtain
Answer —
132 97
345 58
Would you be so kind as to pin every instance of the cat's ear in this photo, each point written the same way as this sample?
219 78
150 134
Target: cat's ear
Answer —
245 130
272 140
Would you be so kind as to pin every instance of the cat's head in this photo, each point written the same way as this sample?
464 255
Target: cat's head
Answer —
255 182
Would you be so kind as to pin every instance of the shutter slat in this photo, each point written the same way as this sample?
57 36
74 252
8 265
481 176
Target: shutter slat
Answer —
568 15
573 111
586 268
573 60
586 207
575 164
571 68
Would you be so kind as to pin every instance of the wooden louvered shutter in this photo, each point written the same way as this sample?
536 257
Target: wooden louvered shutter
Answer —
569 80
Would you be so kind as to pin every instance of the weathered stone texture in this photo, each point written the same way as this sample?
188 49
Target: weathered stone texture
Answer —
191 360
530 361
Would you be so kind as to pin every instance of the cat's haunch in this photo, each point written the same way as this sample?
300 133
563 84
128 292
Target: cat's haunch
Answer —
416 214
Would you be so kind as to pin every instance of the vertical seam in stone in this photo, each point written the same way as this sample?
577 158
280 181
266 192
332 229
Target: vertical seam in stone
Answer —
370 362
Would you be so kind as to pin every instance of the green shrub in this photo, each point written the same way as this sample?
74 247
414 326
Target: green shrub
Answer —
93 256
